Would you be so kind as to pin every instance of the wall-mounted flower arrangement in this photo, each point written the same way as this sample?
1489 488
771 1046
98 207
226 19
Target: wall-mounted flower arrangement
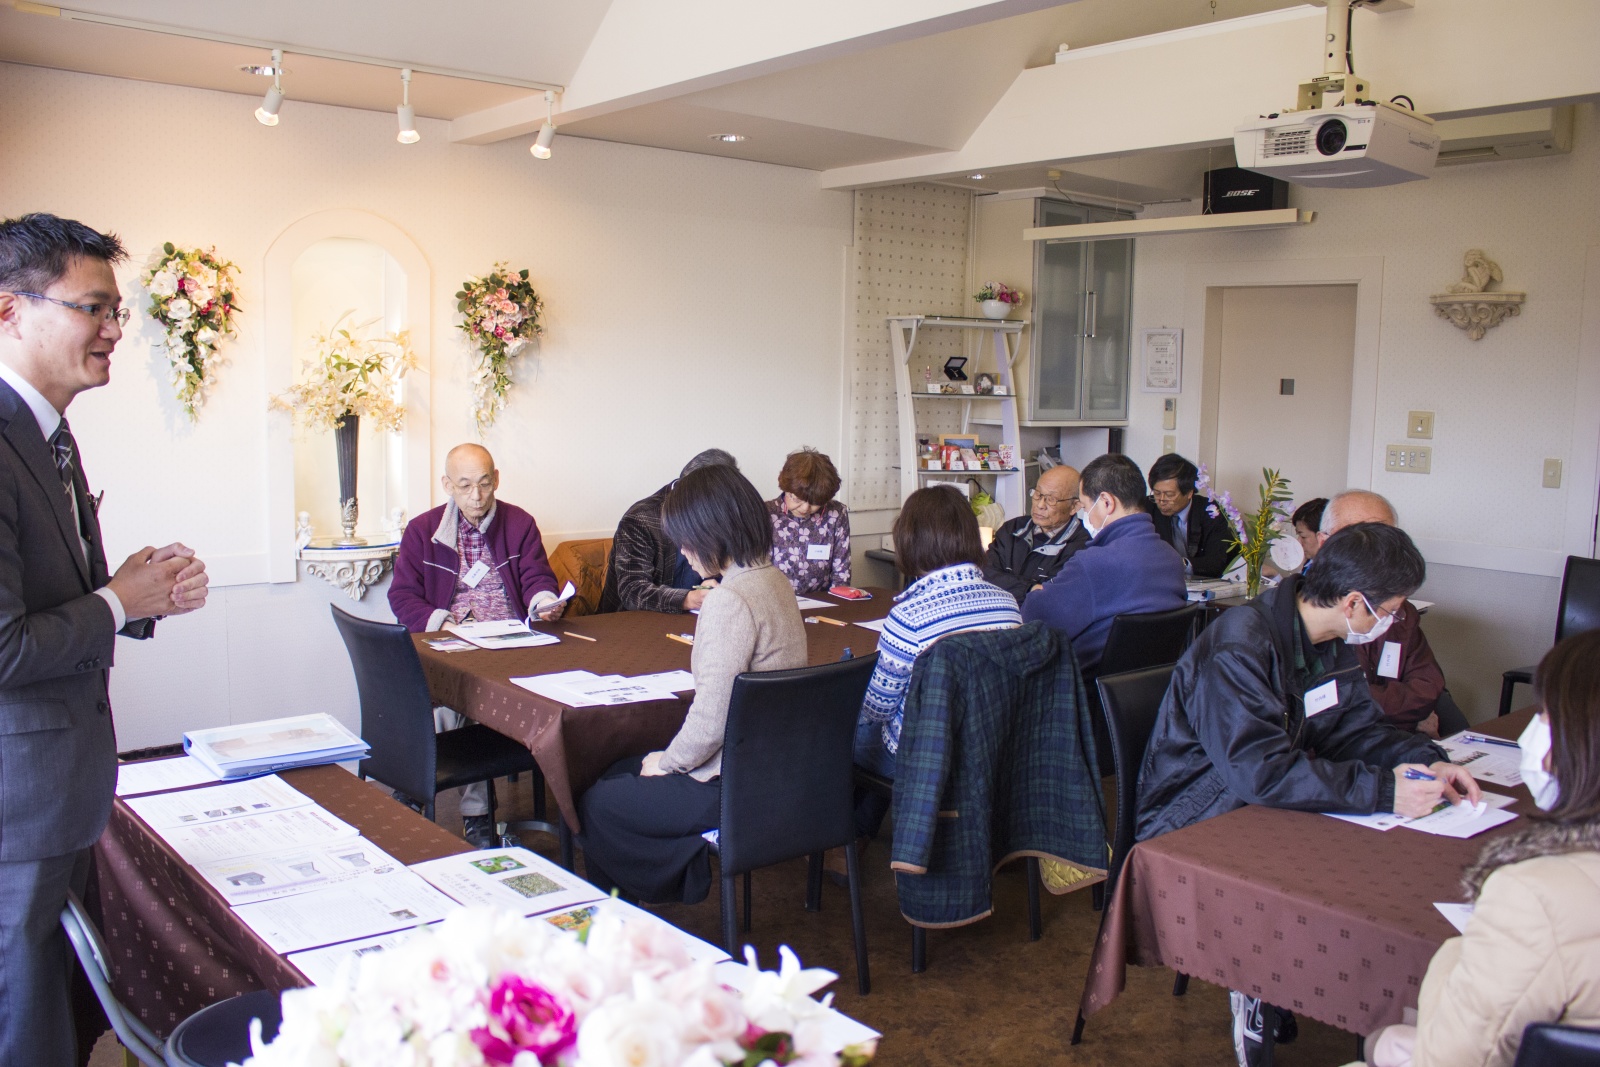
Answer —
192 299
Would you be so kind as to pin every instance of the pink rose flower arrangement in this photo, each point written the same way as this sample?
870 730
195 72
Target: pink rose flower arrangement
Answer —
500 313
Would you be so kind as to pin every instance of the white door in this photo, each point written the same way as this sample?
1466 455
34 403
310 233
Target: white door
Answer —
1283 391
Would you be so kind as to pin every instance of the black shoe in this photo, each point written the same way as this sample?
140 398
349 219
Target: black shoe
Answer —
1287 1029
1248 1049
478 831
407 801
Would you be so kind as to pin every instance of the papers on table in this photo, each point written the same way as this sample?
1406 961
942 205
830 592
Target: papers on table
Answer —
321 965
511 878
256 835
873 624
505 633
274 745
1456 914
1490 759
565 595
153 776
1447 820
1203 589
450 644
582 689
166 811
281 874
380 904
806 603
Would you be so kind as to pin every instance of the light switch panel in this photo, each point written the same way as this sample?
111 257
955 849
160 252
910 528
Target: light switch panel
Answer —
1169 445
1408 459
1420 424
1552 474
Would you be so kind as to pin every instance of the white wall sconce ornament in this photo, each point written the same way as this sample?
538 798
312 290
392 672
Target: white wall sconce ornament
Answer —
1468 305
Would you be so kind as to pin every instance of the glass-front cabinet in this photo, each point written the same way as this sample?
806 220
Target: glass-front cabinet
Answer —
1082 307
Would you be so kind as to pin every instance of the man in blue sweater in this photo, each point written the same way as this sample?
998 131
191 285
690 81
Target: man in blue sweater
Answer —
1126 568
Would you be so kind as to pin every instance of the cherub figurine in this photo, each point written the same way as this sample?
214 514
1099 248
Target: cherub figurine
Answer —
1480 271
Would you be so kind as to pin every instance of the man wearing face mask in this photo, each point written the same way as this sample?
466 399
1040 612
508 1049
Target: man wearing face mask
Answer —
1270 706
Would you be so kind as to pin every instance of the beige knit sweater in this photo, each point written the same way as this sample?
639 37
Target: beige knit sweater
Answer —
749 622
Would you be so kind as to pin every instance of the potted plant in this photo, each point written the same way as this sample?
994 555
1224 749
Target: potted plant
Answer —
997 299
1254 533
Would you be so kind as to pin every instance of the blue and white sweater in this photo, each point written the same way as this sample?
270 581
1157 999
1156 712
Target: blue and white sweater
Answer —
943 602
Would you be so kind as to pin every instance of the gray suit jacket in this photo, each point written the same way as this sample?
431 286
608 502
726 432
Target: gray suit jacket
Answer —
58 752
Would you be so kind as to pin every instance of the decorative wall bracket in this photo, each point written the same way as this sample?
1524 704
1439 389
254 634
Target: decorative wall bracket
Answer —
352 569
1469 305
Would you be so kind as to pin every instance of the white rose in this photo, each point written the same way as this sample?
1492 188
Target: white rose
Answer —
624 1034
162 283
179 309
206 336
200 293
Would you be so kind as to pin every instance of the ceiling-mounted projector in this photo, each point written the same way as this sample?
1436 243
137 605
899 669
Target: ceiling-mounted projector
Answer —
1350 147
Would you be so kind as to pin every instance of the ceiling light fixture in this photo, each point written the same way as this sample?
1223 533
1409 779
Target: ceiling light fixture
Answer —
267 113
547 132
977 177
729 138
408 118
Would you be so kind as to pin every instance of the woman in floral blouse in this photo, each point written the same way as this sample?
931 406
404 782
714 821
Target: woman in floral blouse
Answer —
810 529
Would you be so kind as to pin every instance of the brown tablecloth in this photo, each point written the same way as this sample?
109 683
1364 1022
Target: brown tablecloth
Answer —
1328 919
574 746
174 943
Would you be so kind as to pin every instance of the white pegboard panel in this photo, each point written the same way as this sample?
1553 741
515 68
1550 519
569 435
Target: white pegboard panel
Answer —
910 257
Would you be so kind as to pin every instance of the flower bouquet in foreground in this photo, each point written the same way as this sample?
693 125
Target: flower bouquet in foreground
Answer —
1254 533
192 300
501 315
486 987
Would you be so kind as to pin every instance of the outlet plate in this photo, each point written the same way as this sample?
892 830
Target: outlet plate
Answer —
1420 424
1552 474
1169 445
1408 459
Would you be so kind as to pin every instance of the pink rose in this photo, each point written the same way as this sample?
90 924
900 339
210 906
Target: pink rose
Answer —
524 1017
499 331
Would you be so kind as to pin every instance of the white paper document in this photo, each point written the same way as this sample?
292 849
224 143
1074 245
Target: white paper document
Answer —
1456 914
300 870
565 595
667 681
583 689
450 644
363 908
256 835
806 603
193 807
510 878
873 624
507 633
157 775
321 965
1447 820
1490 759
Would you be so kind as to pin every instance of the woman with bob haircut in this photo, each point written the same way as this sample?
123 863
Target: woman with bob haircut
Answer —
810 529
1531 950
643 819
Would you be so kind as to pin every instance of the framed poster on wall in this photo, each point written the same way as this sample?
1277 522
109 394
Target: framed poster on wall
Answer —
1162 352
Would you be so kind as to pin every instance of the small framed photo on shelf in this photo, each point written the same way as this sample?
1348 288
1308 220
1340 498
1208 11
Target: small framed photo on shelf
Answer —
959 440
983 384
952 368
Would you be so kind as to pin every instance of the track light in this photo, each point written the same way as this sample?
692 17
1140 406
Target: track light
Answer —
547 132
408 118
267 113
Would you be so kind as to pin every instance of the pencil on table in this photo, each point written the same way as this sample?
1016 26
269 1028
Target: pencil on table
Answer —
580 637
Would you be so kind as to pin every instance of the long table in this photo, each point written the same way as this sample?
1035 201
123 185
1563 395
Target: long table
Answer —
1322 917
575 746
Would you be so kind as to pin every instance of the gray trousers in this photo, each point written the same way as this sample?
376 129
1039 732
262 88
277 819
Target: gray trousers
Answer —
474 797
35 1010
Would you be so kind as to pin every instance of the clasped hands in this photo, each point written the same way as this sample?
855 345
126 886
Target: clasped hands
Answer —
161 581
1415 797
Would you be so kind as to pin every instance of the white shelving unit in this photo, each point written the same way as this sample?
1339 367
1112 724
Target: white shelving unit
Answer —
1011 485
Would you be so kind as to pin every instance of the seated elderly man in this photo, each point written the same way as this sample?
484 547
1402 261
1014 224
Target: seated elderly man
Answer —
1030 549
471 558
1184 520
645 571
1406 681
1270 706
1124 569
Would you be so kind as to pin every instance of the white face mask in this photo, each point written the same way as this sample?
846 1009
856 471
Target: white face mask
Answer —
1381 627
1535 742
1083 517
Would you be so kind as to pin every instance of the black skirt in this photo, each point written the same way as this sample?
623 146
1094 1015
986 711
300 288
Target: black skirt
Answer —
641 836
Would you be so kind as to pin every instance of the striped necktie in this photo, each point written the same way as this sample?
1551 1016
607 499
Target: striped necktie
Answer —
65 448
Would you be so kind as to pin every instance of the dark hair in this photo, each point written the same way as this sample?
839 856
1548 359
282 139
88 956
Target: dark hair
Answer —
1567 684
1372 558
1309 514
809 475
717 514
936 529
1173 465
1112 473
36 250
711 457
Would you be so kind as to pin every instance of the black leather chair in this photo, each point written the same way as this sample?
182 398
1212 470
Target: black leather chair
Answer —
397 721
212 1037
1134 643
1578 611
786 787
1554 1045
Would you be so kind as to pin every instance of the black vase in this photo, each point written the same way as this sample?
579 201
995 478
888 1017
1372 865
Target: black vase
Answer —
346 440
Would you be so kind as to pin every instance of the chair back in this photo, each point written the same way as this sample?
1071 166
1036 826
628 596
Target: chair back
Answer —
137 1038
583 563
1149 640
1130 702
1580 598
1554 1045
786 763
396 710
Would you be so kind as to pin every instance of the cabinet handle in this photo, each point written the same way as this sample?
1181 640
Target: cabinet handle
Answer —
1093 312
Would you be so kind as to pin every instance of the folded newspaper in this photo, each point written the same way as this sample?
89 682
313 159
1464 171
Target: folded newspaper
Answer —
275 745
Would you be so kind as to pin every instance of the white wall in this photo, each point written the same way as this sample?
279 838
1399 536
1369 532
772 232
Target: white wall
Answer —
691 302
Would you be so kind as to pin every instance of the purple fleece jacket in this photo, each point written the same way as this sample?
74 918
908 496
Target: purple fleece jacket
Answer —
426 568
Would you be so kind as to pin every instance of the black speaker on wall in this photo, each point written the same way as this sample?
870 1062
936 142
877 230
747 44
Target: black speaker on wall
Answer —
1230 189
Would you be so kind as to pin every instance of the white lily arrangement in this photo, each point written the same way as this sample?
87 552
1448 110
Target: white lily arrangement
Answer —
192 300
353 374
487 988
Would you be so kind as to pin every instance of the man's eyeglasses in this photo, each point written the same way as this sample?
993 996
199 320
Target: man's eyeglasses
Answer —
1377 612
102 313
1165 497
1051 501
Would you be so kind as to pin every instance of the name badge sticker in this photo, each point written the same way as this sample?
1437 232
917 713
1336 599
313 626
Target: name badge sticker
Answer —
1322 698
1389 661
475 574
822 551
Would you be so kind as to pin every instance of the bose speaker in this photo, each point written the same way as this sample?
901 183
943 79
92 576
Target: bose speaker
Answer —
1231 189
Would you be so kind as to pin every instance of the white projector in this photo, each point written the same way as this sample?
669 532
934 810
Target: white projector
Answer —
1350 147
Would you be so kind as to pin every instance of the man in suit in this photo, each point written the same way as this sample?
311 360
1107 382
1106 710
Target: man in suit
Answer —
1029 550
60 318
1184 521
